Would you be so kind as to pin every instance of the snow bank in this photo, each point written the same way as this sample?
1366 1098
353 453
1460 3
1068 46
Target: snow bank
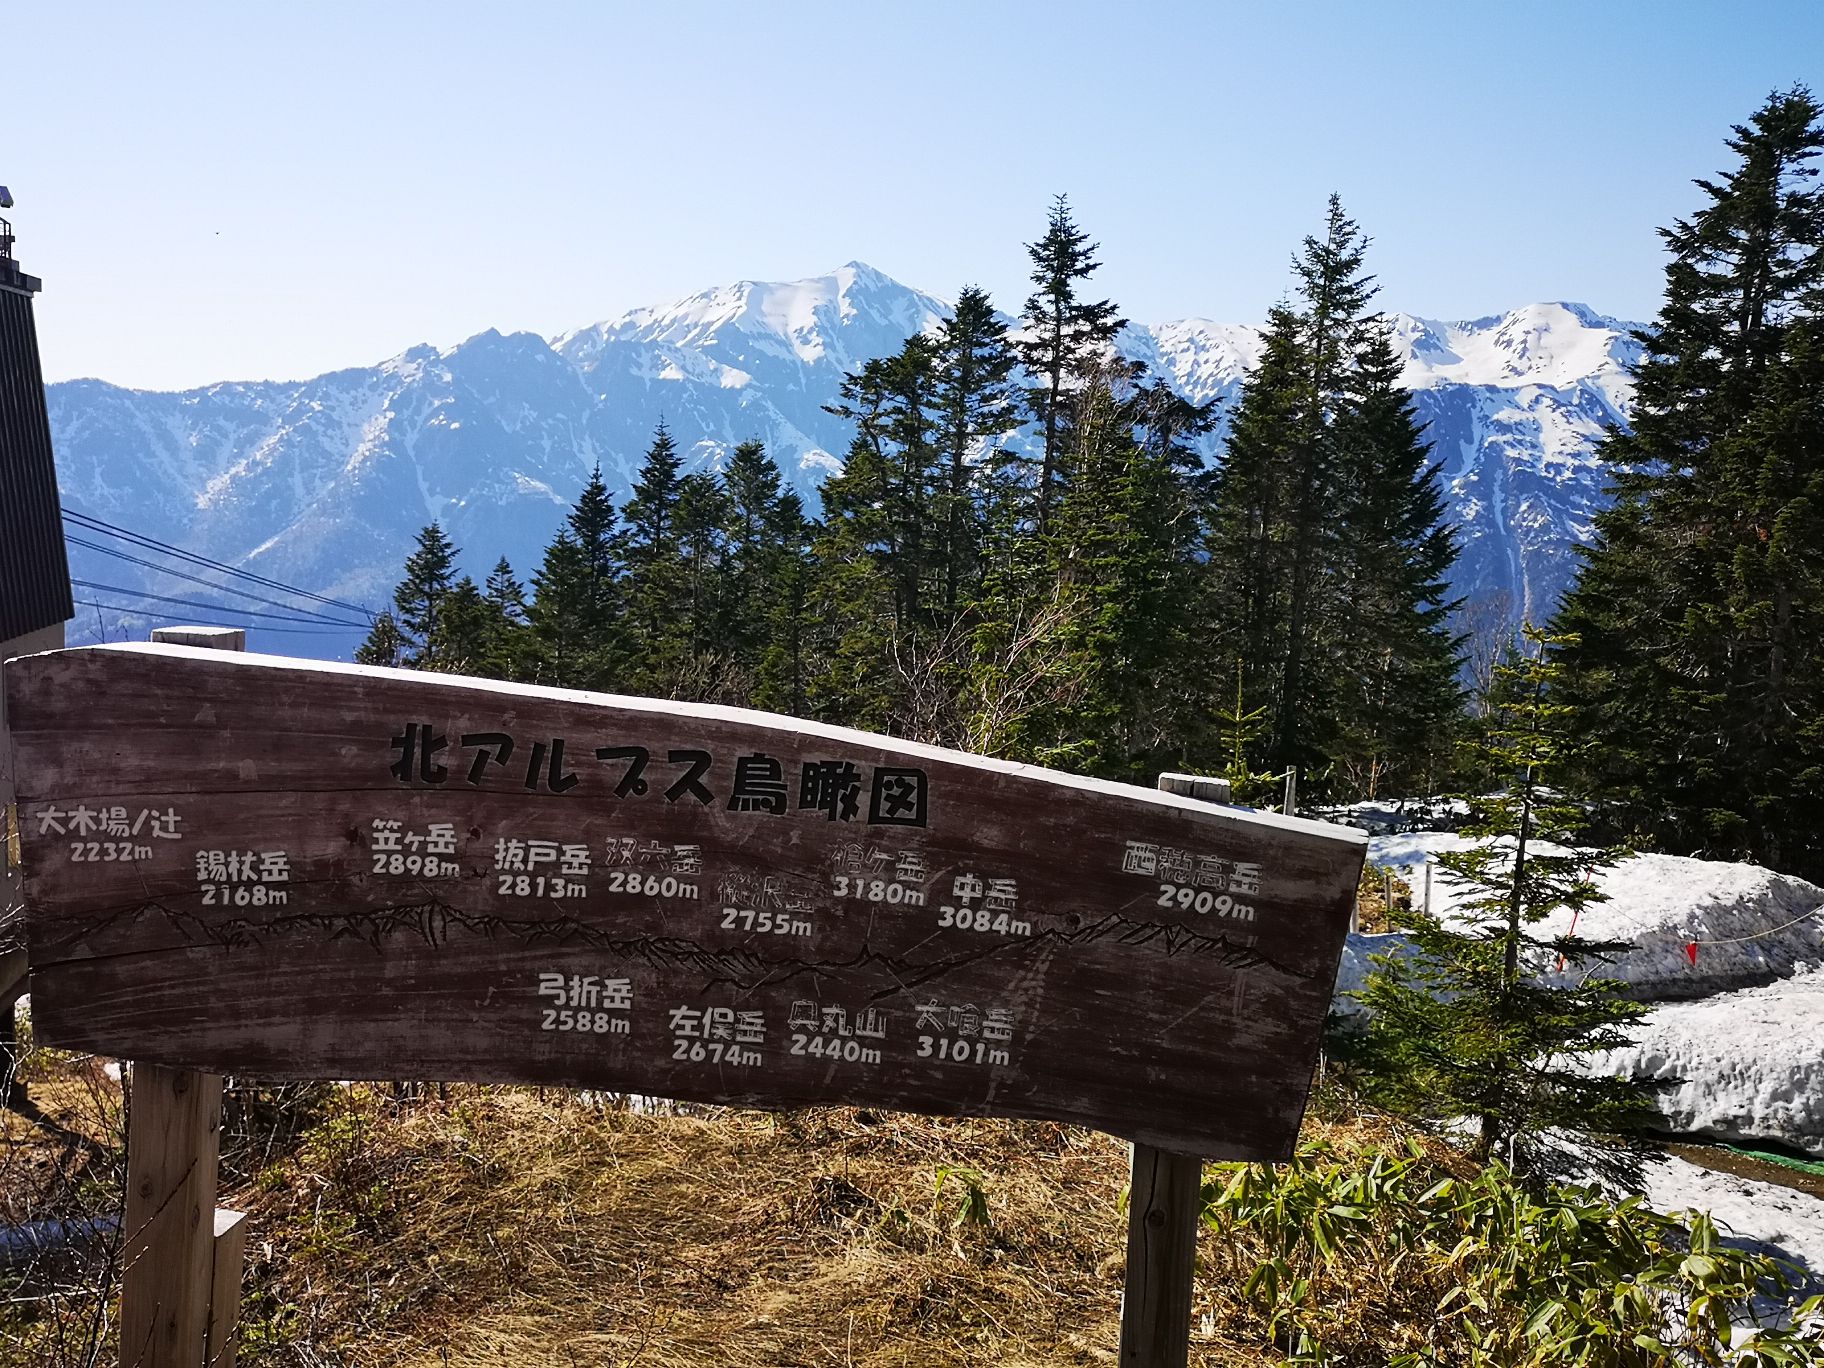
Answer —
1352 973
1747 1065
1752 926
1762 1217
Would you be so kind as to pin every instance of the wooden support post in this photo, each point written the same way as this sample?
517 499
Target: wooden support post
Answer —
170 1278
225 1289
1164 1206
174 1119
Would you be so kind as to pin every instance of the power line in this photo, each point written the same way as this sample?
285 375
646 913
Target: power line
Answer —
153 544
199 622
195 579
212 607
94 524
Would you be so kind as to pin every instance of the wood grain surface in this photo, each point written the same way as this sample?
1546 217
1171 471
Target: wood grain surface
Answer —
247 864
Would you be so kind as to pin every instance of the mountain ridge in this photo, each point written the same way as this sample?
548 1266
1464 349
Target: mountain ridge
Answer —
323 482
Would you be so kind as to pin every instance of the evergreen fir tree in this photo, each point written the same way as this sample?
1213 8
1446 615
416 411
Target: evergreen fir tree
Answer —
1336 295
575 617
459 642
977 404
1696 622
752 556
1123 651
701 671
385 643
783 677
853 591
648 514
1327 550
506 642
655 589
429 577
560 643
1253 503
880 553
1473 1025
1063 335
1400 696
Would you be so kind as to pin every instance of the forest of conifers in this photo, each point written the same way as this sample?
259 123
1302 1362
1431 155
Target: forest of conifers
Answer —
1023 555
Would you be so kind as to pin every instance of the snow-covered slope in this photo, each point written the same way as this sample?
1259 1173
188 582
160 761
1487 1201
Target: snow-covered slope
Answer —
1739 1066
1731 957
324 482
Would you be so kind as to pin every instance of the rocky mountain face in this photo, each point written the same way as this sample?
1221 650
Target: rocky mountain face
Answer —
323 483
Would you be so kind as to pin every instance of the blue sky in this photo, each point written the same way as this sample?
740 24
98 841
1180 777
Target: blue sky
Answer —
217 191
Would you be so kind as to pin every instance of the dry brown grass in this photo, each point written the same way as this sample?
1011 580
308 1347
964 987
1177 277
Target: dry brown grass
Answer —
506 1227
503 1227
511 1228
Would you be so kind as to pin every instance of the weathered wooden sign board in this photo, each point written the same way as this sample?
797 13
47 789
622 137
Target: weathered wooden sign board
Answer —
292 869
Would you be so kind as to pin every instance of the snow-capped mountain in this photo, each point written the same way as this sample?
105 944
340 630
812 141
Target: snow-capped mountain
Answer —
323 483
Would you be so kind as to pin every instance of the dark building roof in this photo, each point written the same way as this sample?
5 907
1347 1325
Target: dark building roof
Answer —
34 570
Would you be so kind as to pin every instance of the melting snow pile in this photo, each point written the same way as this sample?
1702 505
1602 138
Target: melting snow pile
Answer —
1750 925
1747 1065
1758 1216
1733 956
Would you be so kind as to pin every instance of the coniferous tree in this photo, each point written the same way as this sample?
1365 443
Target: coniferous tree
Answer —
782 680
752 555
1063 334
1253 505
459 642
1697 620
1123 547
701 672
1327 553
1336 295
385 643
879 555
1473 1025
655 588
1400 695
576 610
853 588
429 577
506 642
977 403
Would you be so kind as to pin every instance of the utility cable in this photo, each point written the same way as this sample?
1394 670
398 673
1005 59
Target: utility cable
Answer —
94 524
196 579
199 622
212 607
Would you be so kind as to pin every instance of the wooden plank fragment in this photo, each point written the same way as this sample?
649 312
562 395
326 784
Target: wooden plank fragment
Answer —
214 638
229 1255
167 1256
295 869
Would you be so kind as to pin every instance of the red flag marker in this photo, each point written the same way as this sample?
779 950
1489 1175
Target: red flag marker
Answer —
1691 952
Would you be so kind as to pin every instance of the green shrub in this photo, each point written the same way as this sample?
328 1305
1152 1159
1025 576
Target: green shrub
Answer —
1398 1261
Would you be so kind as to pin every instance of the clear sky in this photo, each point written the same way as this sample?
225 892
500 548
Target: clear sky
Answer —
253 190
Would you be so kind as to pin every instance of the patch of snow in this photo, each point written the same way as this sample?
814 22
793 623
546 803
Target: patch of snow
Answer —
1357 963
1744 1066
1752 925
1763 1217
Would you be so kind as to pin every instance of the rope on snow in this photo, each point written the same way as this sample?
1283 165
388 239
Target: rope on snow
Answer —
1691 946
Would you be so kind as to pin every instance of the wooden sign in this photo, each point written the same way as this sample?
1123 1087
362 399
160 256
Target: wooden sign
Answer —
294 869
